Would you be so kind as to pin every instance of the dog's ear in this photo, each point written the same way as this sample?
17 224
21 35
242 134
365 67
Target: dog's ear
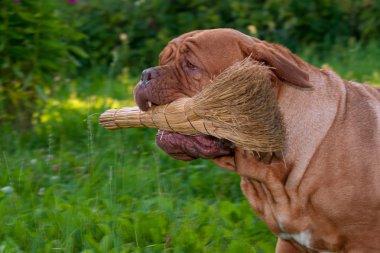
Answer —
286 66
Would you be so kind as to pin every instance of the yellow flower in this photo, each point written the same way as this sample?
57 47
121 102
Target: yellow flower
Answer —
326 66
123 36
252 29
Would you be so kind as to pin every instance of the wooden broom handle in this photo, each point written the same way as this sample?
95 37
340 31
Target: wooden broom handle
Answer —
173 117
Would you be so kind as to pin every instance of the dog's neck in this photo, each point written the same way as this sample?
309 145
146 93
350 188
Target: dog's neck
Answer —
308 115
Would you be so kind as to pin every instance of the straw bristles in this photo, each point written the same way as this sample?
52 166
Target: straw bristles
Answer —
241 100
239 105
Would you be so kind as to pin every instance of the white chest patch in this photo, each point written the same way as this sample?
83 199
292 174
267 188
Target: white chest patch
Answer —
303 238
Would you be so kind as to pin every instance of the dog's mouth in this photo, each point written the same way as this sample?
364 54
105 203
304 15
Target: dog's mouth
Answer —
185 147
179 146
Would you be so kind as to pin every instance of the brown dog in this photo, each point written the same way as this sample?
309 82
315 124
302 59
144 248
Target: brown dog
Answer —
323 193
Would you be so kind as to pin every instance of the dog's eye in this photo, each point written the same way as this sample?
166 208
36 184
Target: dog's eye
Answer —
190 66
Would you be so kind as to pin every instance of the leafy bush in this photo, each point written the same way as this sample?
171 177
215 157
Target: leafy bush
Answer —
147 26
35 46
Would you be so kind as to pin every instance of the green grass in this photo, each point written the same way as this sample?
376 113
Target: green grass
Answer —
71 186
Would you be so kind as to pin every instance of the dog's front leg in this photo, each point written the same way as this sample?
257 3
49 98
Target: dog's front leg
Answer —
264 183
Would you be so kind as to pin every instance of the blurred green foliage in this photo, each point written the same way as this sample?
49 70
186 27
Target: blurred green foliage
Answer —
37 46
149 25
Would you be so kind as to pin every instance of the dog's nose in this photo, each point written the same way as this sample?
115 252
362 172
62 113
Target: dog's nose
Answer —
149 74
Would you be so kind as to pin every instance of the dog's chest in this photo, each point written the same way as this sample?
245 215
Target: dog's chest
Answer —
289 217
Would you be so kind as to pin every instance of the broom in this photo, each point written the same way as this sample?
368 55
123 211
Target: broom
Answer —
238 105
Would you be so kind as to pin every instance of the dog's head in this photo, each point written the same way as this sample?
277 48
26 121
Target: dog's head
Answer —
189 62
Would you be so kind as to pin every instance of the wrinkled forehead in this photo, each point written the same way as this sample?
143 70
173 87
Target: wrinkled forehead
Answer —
214 49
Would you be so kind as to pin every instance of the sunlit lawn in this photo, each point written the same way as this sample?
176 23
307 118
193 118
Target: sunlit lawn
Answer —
71 186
